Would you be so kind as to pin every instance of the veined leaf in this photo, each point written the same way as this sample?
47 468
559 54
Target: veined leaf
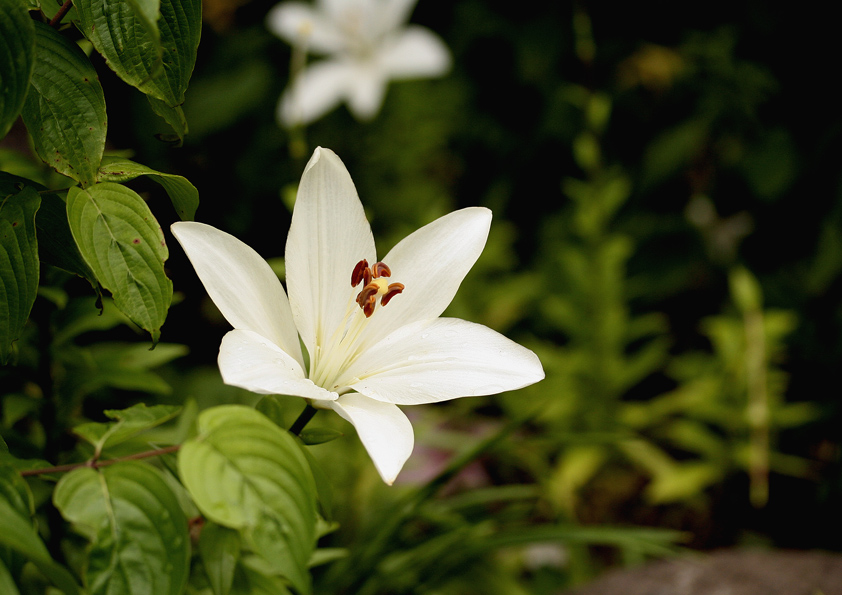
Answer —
246 473
129 422
150 44
183 194
174 116
139 533
55 242
64 110
17 56
124 245
19 265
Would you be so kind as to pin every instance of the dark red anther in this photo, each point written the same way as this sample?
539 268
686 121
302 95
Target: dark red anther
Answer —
367 295
380 269
359 273
393 290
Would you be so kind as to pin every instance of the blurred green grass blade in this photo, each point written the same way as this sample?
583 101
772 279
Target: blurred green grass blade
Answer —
183 194
64 88
17 57
139 534
124 245
246 473
19 265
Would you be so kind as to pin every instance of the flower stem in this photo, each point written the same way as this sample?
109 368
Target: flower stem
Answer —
303 419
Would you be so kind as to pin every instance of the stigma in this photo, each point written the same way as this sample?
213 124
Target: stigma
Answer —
374 285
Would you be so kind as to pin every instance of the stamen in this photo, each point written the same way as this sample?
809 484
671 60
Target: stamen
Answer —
368 295
359 273
380 269
393 290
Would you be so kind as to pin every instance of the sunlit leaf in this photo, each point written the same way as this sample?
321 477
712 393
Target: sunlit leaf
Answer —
139 533
183 194
124 245
19 265
17 56
64 110
246 473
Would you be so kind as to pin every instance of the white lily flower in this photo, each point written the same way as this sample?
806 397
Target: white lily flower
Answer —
367 44
373 332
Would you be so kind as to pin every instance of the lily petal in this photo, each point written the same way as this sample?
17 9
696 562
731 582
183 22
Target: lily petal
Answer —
431 263
416 53
252 362
442 359
329 234
366 91
300 25
314 92
383 429
241 284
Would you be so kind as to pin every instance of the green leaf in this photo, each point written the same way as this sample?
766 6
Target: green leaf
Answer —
55 242
19 265
64 110
151 45
20 536
124 246
246 473
129 422
174 116
313 436
7 585
17 56
220 551
183 194
138 531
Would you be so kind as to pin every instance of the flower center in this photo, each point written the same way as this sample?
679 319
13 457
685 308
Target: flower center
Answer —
330 361
374 285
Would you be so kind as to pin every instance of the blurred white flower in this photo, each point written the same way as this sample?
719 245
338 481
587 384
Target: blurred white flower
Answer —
372 332
367 44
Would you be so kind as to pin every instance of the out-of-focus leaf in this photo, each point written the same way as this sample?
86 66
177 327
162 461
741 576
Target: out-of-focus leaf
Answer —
220 551
7 585
20 536
17 57
183 194
139 533
124 245
174 116
65 88
255 577
313 436
19 265
126 366
671 150
129 422
246 473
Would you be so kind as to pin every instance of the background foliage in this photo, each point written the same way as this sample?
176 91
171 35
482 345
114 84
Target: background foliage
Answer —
666 237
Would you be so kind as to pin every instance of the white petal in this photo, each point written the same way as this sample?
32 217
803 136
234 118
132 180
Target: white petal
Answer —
298 24
416 53
240 283
254 363
431 263
383 429
442 359
394 13
328 236
366 91
314 92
